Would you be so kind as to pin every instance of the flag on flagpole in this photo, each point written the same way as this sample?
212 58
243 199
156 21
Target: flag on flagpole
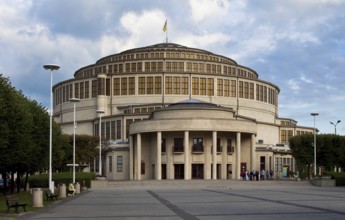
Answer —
165 27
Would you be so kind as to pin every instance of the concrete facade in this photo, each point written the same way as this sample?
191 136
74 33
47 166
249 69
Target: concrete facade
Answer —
171 112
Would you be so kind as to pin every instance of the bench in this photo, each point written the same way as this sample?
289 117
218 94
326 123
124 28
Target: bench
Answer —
50 195
69 192
12 201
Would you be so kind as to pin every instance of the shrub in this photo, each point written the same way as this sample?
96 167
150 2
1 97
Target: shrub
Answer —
41 181
339 178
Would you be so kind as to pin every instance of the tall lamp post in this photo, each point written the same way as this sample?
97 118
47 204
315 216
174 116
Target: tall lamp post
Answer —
74 100
51 67
314 115
335 126
100 112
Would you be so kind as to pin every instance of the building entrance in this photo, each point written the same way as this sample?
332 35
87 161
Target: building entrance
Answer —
179 171
197 171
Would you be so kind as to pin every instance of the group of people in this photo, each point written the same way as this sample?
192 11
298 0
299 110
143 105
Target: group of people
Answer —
256 175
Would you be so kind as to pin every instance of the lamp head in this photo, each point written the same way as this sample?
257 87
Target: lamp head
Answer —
314 114
100 111
74 100
51 67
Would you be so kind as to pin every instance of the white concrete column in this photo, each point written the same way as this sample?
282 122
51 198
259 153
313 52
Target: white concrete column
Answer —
224 160
187 166
159 156
252 152
130 157
214 155
138 157
169 159
238 156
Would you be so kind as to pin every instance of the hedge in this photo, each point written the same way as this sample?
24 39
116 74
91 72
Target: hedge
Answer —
339 178
41 180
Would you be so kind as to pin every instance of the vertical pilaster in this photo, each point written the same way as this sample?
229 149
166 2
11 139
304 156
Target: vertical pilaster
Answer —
159 156
138 162
252 152
214 155
130 155
187 166
238 156
169 159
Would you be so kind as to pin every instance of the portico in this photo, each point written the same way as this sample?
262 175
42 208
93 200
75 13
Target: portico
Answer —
196 144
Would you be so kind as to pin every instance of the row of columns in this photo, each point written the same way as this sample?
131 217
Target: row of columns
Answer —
135 172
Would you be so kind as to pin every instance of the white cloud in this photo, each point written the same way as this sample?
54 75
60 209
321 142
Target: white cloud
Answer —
205 9
294 85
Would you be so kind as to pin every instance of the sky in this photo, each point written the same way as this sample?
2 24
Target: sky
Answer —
298 45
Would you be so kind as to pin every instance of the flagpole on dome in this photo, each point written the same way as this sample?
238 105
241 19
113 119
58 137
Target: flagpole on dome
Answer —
165 29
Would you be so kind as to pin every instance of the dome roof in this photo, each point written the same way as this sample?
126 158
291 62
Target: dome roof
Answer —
193 103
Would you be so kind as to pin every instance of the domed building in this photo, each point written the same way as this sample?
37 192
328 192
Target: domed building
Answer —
172 112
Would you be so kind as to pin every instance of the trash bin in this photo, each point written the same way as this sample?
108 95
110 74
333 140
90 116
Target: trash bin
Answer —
62 190
77 187
37 197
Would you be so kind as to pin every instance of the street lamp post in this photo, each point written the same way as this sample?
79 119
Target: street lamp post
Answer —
335 126
100 112
314 115
74 100
51 67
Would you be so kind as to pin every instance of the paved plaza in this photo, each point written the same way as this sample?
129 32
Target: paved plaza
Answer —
241 201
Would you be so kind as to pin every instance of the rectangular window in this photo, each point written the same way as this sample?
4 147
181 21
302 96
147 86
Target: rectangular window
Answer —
198 145
160 67
133 67
210 87
174 66
101 85
149 81
168 85
113 129
140 67
201 67
119 164
123 86
116 86
107 87
147 67
87 89
202 86
76 90
195 86
177 85
251 90
128 67
283 136
240 89
153 66
158 85
226 88
163 146
233 88
185 83
168 66
131 86
178 145
208 68
110 164
265 94
181 66
219 87
141 85
118 129
94 88
246 90
81 90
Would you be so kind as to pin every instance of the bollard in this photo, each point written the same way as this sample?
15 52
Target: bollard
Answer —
37 197
62 190
77 187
